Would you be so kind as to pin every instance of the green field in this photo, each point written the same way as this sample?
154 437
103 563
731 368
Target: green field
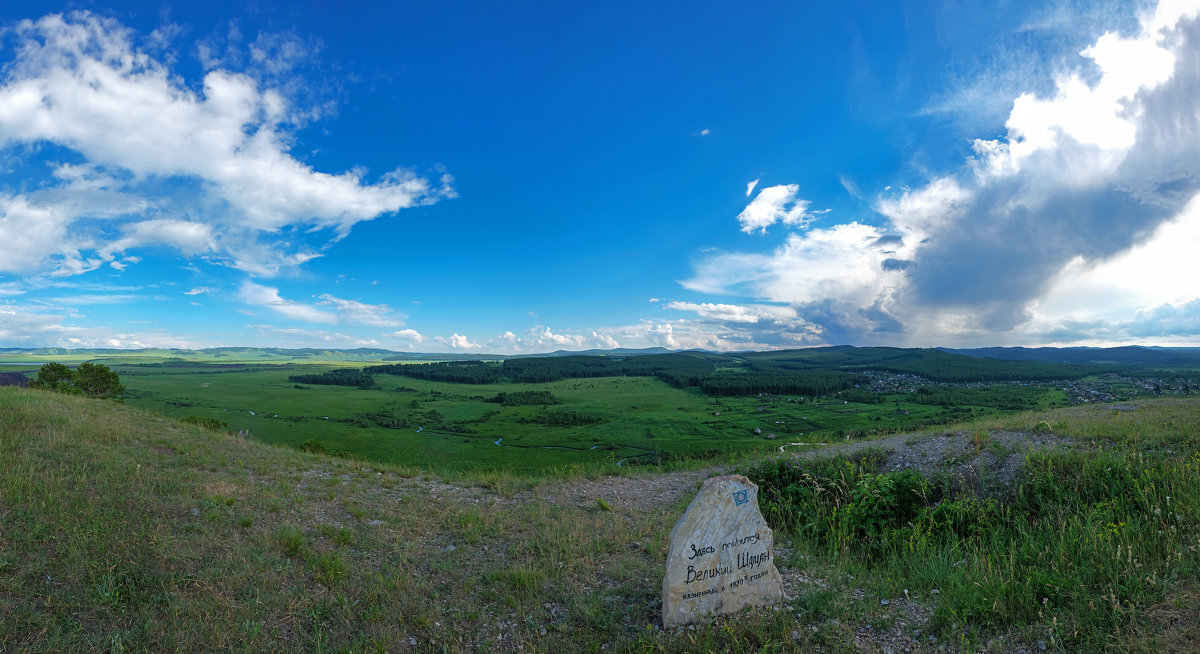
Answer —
593 412
633 420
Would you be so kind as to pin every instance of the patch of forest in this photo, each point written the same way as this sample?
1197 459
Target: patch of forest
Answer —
336 377
1013 398
780 382
456 372
525 398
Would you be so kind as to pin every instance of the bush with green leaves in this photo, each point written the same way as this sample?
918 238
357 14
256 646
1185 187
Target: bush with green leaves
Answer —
206 422
313 446
55 377
843 503
880 503
962 517
91 379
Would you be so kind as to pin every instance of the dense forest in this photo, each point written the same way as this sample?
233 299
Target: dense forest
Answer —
1016 398
679 370
458 372
780 382
934 365
337 377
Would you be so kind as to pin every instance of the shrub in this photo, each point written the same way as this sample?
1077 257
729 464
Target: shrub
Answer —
962 518
882 502
206 422
525 398
841 502
811 497
90 379
566 418
98 381
55 377
313 446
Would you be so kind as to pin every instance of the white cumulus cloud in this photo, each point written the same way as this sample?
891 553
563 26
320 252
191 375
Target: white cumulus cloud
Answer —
329 309
774 204
460 342
410 335
269 298
81 82
359 313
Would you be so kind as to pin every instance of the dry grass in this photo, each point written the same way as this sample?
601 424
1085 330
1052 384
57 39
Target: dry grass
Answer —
125 531
1172 625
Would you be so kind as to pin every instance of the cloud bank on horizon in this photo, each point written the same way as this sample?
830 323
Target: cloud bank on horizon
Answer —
133 188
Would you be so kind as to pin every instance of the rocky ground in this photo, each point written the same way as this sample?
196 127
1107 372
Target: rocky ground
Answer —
988 461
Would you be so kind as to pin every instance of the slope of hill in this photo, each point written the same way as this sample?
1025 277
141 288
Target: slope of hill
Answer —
121 530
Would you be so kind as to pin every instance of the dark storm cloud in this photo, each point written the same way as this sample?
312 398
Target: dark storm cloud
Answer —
1015 232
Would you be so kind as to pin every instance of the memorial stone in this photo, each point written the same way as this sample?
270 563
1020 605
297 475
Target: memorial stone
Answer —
720 557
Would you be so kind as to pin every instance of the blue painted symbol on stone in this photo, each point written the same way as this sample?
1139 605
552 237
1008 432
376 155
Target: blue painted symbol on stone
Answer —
741 497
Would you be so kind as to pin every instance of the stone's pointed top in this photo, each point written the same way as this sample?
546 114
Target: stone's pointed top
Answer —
720 558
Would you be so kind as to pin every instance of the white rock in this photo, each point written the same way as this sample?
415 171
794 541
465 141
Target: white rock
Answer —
720 558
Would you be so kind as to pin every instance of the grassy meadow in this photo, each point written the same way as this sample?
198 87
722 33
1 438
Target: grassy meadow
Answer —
453 426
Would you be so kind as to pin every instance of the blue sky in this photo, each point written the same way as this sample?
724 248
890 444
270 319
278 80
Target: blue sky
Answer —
533 176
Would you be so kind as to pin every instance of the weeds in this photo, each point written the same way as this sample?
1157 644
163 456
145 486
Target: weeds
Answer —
328 567
1088 541
339 535
290 540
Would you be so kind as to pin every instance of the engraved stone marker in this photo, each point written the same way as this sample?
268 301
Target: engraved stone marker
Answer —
720 558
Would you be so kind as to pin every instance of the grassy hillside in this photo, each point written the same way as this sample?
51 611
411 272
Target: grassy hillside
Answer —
122 530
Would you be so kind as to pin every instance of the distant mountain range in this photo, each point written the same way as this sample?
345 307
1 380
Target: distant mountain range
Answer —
1089 356
1133 355
268 353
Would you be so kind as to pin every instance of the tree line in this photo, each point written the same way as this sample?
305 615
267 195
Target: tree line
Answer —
337 377
456 372
679 370
780 382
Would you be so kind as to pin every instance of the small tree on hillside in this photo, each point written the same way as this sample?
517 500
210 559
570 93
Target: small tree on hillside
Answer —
90 379
98 381
55 377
